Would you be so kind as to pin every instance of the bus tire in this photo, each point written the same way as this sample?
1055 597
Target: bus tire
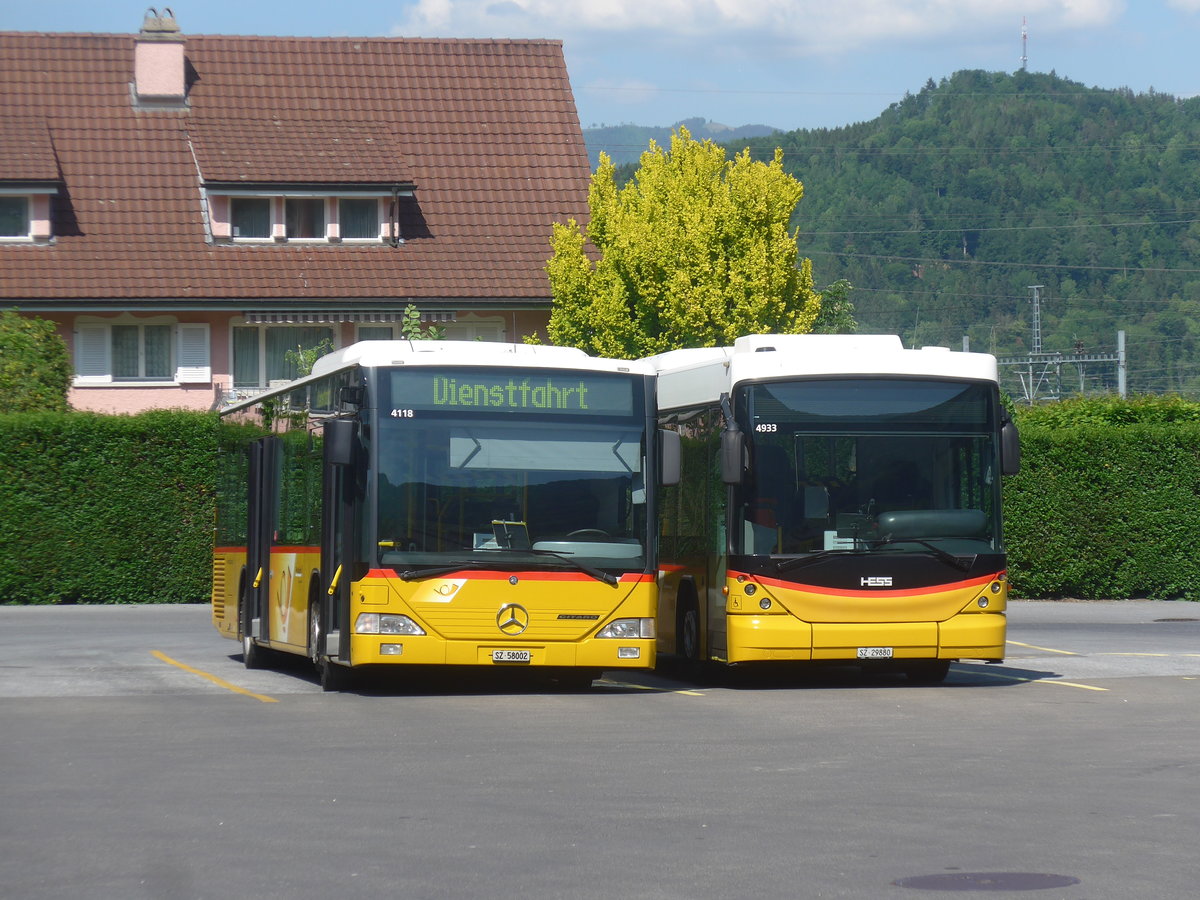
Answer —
253 656
929 671
334 677
314 632
687 639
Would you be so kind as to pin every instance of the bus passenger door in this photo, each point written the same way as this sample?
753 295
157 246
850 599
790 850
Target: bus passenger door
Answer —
338 489
263 490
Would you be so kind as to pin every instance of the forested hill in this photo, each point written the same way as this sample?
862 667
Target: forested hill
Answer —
948 207
625 144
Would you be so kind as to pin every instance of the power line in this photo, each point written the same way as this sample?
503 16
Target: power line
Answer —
924 231
1010 265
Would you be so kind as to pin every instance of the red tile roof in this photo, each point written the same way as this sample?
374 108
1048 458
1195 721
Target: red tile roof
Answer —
486 131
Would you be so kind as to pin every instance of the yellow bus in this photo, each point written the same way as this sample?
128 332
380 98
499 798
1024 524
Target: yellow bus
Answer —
840 502
444 503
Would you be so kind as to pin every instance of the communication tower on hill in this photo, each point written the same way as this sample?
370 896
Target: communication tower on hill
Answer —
1024 40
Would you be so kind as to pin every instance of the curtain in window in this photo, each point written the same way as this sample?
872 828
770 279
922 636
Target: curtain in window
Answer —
158 352
14 216
245 356
125 351
250 217
305 218
359 219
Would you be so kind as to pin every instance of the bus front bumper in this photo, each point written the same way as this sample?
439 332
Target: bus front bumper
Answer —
767 638
424 650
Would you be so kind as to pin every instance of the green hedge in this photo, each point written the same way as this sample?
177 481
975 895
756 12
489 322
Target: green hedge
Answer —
106 509
1105 512
119 509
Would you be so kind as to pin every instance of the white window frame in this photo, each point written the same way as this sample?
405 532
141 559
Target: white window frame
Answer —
39 213
380 221
393 328
28 233
190 352
253 239
261 328
277 231
472 327
322 228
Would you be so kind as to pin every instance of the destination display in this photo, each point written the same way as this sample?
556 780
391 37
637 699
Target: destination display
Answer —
529 391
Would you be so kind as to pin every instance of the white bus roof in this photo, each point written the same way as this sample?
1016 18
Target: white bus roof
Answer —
689 378
373 354
470 353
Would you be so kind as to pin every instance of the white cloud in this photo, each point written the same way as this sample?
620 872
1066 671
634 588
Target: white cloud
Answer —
1190 6
802 26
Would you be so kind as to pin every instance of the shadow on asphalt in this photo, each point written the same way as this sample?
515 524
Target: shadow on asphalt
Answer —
670 675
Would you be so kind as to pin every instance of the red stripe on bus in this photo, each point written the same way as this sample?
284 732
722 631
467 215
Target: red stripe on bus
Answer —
487 575
844 592
277 549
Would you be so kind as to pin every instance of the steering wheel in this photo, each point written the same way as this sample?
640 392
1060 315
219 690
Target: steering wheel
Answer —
588 531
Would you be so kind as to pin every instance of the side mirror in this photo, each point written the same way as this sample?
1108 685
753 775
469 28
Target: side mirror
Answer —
1010 448
733 456
669 456
350 395
341 436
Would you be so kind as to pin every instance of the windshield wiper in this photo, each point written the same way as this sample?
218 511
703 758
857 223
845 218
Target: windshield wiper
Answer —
799 562
458 566
413 574
963 565
599 574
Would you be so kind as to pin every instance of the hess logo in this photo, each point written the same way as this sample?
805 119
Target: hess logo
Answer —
875 581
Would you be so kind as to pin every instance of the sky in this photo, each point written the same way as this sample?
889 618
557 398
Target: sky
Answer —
788 64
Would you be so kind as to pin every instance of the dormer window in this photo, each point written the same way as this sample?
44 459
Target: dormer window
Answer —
14 217
304 219
250 217
25 213
332 216
359 219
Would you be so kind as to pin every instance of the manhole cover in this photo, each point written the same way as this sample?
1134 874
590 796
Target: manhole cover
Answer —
986 881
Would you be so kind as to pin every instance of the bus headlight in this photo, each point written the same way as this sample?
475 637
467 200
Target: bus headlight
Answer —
380 623
628 629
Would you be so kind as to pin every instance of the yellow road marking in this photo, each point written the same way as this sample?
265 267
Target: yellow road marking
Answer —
1082 687
647 687
1043 649
219 682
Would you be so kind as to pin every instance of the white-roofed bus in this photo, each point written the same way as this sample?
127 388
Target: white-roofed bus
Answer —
840 502
445 503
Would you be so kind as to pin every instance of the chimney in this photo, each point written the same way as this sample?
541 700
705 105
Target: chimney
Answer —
158 64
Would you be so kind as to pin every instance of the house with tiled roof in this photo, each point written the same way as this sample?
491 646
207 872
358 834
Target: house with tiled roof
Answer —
188 208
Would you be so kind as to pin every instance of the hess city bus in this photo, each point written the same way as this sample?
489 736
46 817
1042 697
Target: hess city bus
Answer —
840 502
444 503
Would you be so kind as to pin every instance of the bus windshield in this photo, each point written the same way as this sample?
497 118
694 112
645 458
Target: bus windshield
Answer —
869 465
498 478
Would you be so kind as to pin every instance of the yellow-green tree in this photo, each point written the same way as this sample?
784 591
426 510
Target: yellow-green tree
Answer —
694 251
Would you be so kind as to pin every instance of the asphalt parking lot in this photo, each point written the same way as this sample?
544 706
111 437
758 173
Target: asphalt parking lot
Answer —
141 759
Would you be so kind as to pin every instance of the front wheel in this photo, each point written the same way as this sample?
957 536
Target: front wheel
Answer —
253 655
331 676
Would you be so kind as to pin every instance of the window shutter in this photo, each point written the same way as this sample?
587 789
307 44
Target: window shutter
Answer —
92 361
192 358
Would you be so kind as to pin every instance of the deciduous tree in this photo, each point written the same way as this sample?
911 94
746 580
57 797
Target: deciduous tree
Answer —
35 365
694 251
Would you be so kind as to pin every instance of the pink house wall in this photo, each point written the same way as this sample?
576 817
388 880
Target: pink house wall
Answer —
135 398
